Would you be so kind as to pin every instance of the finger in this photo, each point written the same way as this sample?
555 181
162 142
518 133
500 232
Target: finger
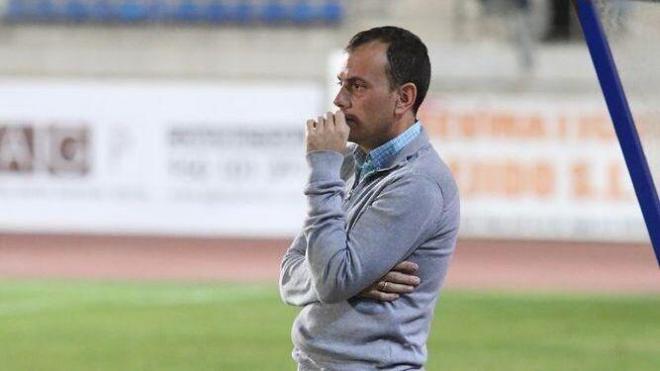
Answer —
330 119
396 288
406 267
340 118
384 296
402 278
320 123
310 124
340 121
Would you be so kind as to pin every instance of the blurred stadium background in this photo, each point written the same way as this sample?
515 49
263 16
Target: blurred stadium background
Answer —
151 174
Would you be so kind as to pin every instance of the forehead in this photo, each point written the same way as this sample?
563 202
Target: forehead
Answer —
368 61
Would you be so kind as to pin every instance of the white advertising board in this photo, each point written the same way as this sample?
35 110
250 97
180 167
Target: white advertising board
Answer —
537 167
228 160
153 157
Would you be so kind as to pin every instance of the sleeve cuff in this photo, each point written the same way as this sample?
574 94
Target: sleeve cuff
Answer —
325 165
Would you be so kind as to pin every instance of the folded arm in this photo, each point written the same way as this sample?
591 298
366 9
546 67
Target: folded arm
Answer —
344 264
297 288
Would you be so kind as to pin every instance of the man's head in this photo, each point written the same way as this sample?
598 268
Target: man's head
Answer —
383 82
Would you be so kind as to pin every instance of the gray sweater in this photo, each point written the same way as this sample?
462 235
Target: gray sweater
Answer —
353 235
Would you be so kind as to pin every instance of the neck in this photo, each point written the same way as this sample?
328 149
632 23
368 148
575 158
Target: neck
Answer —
398 126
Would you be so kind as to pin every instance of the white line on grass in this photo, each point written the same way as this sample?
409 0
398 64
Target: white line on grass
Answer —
159 296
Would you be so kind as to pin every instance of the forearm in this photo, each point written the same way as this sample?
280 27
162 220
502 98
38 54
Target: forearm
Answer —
325 230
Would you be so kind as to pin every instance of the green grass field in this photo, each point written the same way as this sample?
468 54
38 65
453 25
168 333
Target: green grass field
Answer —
78 325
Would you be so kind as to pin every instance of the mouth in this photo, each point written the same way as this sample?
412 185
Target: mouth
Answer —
351 120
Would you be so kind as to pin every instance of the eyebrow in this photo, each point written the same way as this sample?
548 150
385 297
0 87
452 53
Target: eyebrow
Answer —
352 79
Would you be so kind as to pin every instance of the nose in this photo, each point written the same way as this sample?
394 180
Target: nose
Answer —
341 99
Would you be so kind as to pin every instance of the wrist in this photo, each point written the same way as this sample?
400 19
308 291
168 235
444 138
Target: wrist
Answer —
324 164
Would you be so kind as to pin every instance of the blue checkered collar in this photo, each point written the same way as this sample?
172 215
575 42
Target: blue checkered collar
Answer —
383 155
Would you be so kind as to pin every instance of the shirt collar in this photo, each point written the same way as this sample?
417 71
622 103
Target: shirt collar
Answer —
383 155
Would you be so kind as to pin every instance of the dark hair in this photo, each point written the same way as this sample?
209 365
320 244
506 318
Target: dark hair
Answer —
407 57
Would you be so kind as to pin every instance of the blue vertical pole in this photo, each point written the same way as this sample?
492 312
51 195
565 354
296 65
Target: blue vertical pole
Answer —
624 125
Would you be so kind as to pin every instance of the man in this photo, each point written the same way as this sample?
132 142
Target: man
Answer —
382 219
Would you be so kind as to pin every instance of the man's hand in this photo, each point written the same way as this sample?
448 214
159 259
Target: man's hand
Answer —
400 280
329 132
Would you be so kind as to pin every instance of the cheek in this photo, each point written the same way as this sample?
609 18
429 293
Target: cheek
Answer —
373 110
380 109
374 106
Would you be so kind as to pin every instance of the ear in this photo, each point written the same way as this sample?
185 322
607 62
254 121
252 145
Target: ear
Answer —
407 97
